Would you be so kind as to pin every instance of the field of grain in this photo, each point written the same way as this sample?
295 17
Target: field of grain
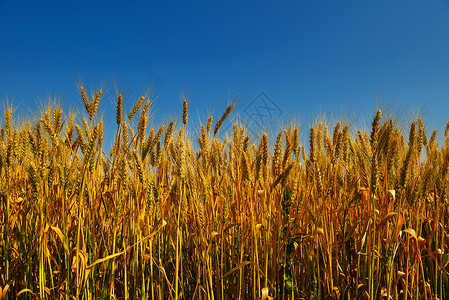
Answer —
175 214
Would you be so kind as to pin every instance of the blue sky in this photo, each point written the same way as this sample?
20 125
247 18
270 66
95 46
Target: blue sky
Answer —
307 56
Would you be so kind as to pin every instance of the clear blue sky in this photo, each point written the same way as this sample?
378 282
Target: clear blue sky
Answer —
307 56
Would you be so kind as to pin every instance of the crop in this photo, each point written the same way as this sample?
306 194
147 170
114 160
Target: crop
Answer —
174 214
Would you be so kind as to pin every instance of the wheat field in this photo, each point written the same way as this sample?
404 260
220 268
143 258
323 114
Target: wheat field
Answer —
173 214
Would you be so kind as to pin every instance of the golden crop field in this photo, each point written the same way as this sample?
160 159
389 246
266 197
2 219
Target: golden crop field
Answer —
173 214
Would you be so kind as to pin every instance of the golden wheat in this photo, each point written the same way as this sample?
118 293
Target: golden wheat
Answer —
361 215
